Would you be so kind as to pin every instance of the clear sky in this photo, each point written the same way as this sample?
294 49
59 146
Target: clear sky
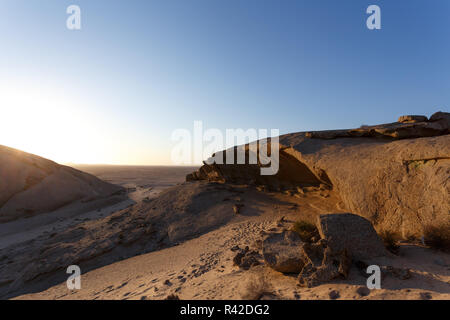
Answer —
114 91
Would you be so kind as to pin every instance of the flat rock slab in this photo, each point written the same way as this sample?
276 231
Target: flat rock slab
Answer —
412 118
346 231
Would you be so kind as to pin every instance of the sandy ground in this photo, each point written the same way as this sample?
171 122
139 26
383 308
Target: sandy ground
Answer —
202 268
26 229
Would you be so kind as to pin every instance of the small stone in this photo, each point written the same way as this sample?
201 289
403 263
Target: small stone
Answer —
237 208
363 291
261 188
425 296
334 294
167 282
172 297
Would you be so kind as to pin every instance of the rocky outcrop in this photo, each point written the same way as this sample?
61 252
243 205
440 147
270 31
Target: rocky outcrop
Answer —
407 127
399 185
412 119
291 173
345 238
442 117
396 175
334 264
282 252
246 258
30 185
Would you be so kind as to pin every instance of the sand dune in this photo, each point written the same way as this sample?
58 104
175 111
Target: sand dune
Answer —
31 185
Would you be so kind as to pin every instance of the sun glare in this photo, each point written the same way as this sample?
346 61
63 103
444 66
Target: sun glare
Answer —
49 124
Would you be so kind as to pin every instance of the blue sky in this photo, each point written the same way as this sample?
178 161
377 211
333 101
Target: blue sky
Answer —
138 70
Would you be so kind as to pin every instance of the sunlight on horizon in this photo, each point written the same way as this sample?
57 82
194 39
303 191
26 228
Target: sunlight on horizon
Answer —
53 125
46 124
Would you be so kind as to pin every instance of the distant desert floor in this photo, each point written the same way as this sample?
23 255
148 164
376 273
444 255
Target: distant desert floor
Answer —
141 181
202 268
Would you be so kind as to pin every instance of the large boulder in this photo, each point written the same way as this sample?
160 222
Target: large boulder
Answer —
443 117
350 232
283 252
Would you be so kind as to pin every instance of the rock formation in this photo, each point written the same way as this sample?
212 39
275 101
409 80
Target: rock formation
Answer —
345 238
333 265
246 258
30 185
282 252
396 174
